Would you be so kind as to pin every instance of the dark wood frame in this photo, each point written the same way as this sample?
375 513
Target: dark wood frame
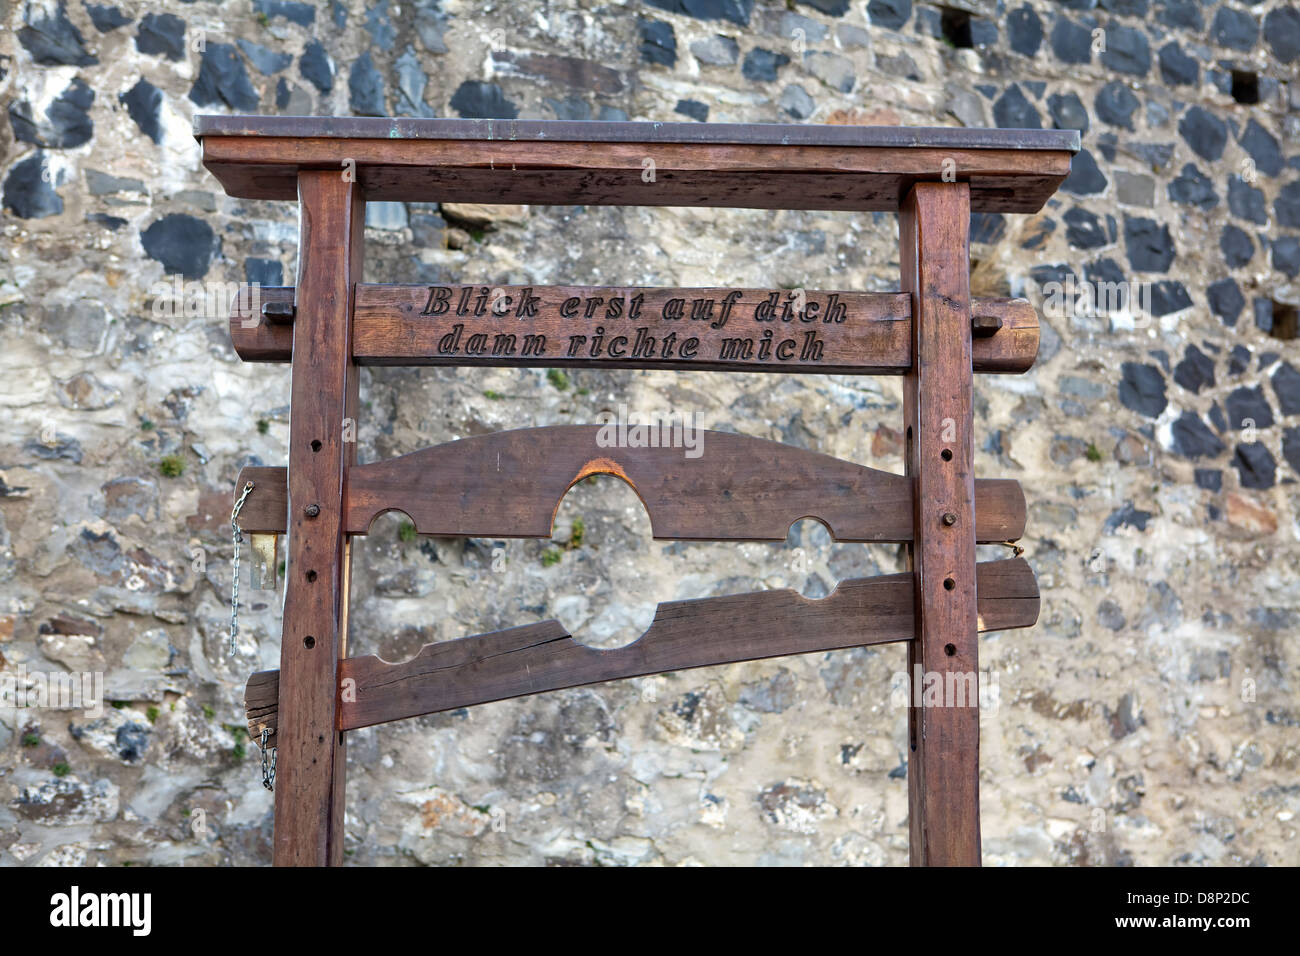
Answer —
930 332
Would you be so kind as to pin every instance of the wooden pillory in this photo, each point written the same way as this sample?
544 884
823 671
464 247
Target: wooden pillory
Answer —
510 484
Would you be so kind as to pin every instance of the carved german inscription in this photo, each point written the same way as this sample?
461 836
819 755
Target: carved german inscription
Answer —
714 328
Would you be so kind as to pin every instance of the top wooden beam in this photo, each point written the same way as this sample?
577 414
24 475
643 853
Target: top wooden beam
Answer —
757 166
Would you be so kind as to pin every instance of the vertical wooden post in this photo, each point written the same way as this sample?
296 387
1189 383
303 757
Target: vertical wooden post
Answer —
311 763
943 765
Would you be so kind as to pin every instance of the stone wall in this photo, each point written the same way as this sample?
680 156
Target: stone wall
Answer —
1149 718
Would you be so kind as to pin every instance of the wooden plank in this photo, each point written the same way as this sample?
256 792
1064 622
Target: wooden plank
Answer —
579 327
312 760
577 171
585 131
510 484
943 767
684 634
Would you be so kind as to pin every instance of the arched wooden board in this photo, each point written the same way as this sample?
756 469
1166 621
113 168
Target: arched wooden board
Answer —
509 485
684 634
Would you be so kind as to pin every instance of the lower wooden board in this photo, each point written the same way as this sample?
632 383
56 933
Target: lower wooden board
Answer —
543 657
709 329
510 484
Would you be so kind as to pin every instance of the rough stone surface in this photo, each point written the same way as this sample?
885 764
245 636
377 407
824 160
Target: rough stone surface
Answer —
1160 453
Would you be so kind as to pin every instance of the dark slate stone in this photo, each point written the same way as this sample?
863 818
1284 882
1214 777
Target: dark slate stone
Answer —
283 91
1184 14
983 33
223 79
143 104
1083 229
1142 389
1286 386
315 67
736 11
1286 256
694 109
1263 313
474 100
1246 202
1291 448
1105 270
106 18
1263 149
265 60
1216 418
366 87
1247 404
1204 132
1058 273
1068 112
50 37
1255 465
1127 50
182 244
1282 32
1085 177
890 14
1115 104
1155 155
1176 67
1127 517
1235 29
1079 4
658 42
1236 246
833 8
1287 205
162 33
108 222
987 227
1012 110
1193 439
1211 479
1168 297
1071 42
1193 188
1148 243
67 124
303 14
1226 300
1125 8
1024 30
1195 371
1238 360
266 272
27 194
1266 359
131 741
760 65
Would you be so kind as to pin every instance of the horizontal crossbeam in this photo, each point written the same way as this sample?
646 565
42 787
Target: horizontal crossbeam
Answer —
636 164
736 488
684 634
714 329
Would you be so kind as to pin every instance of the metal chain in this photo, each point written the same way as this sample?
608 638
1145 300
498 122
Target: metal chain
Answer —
234 581
268 762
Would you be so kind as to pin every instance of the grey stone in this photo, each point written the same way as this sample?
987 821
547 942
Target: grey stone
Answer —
50 37
182 244
796 101
143 104
716 50
265 60
1135 189
1142 389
